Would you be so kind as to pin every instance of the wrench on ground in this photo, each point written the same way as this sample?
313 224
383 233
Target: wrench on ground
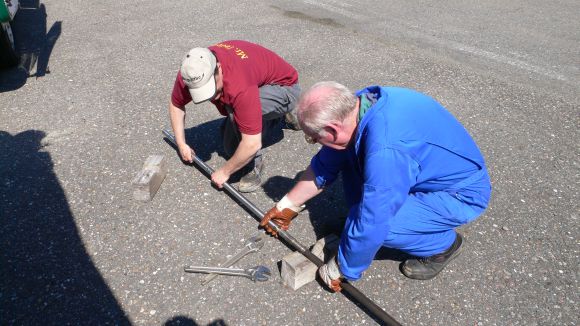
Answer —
253 244
259 273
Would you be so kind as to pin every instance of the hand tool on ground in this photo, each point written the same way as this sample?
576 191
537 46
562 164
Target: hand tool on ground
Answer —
351 292
253 244
259 273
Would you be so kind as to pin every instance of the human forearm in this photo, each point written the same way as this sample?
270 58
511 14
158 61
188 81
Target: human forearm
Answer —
305 189
177 118
291 204
247 149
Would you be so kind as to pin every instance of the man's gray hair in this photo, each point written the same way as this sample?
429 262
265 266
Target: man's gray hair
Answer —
323 103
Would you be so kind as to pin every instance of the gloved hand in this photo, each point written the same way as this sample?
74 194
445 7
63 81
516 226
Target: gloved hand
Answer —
331 275
281 214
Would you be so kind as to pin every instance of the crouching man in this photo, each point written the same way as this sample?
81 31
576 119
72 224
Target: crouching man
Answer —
252 87
411 172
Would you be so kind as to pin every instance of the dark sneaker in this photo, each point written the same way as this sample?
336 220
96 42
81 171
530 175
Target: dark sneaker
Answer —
292 120
428 267
253 180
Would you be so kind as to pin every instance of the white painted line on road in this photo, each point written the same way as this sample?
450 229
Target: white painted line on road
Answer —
334 8
339 7
500 58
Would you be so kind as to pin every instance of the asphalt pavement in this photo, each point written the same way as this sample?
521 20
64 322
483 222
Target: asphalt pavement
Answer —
75 248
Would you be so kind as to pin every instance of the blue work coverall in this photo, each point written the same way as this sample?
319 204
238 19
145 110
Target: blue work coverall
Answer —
412 174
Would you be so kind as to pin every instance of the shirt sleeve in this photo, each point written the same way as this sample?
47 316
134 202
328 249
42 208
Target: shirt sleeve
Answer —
248 111
388 176
180 95
326 165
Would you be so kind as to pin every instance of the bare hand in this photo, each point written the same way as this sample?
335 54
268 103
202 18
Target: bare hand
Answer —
186 153
219 177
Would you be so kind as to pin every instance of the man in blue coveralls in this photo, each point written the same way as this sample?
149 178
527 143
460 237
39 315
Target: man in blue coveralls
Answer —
411 173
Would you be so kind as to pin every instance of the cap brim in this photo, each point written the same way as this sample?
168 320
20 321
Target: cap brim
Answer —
203 93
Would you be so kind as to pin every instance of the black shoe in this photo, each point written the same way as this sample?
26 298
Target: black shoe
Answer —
252 180
428 267
292 120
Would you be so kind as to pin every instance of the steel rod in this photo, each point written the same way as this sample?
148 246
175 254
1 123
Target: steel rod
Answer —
372 308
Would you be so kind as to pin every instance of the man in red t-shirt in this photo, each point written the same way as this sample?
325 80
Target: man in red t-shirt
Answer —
252 87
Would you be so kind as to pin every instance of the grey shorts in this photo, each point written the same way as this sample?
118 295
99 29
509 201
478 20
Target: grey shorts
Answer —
276 101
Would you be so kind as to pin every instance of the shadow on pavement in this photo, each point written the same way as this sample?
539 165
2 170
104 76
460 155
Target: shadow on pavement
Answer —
327 211
206 138
186 321
392 254
46 275
33 43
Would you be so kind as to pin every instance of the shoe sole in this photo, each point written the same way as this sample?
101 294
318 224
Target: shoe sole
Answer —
249 189
424 277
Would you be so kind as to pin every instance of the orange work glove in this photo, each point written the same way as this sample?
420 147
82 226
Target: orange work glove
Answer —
281 214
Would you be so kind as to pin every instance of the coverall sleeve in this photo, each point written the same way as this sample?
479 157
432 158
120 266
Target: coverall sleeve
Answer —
326 165
388 176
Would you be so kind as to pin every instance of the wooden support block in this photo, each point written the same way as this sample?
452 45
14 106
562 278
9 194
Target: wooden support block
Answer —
149 179
297 270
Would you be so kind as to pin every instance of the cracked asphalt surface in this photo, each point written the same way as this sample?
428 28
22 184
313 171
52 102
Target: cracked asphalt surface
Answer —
75 248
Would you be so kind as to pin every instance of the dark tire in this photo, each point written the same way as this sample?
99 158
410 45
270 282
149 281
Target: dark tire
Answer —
8 55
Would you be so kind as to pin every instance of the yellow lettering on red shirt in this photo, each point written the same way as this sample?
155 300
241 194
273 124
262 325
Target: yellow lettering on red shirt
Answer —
225 46
239 52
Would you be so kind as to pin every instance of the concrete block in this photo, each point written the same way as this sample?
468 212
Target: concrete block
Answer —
149 179
297 270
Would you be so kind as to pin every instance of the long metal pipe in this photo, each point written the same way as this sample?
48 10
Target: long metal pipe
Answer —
371 308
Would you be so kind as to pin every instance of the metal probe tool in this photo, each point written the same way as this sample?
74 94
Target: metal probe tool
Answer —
253 244
259 273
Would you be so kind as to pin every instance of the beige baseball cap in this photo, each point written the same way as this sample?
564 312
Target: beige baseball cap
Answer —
197 70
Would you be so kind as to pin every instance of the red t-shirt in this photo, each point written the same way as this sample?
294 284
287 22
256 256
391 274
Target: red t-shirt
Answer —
245 67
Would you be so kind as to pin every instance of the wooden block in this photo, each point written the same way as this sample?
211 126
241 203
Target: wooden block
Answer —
149 179
297 270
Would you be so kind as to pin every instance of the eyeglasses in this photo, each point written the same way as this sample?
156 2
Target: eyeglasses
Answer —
310 139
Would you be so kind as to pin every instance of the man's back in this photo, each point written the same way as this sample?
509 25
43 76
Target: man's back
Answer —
247 64
418 126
